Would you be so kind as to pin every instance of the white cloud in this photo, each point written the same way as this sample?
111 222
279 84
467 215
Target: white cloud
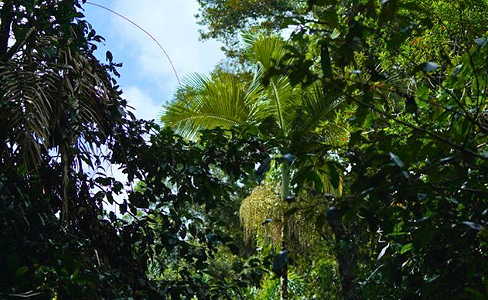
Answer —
147 77
145 107
173 24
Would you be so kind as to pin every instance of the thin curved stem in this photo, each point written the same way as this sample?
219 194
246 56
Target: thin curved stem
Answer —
146 32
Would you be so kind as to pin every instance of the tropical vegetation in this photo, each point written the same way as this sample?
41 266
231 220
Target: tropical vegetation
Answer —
340 152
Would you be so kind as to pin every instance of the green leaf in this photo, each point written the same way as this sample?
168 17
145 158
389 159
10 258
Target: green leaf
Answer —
406 248
335 34
21 271
334 174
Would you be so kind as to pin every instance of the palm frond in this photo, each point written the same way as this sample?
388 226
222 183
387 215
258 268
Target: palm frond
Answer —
202 102
44 100
317 106
268 51
28 109
333 133
280 103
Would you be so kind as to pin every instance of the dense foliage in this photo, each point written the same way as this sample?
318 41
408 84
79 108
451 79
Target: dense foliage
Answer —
70 229
346 157
411 76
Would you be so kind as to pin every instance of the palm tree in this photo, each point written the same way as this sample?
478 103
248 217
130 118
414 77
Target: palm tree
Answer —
226 100
55 95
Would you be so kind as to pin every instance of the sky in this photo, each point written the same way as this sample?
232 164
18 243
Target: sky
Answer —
147 79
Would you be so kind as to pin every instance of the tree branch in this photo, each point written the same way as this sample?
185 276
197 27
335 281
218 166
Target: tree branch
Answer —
411 126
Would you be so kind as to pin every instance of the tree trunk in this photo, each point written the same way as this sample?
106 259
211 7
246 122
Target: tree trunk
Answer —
6 16
284 284
346 254
285 192
66 162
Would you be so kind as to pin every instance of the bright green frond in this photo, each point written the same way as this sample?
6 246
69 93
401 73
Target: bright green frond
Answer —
317 107
203 103
281 102
267 51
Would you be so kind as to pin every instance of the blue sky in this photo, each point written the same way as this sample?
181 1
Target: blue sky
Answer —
146 76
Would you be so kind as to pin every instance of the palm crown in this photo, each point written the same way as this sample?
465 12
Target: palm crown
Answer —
294 114
226 100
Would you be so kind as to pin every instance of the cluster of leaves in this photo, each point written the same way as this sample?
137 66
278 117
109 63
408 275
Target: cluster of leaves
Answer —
403 177
411 79
72 231
423 190
291 120
222 18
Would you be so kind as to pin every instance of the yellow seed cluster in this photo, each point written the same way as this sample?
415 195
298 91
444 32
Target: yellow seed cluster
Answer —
264 203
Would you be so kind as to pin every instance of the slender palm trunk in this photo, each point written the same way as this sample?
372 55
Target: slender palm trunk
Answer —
66 162
285 192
